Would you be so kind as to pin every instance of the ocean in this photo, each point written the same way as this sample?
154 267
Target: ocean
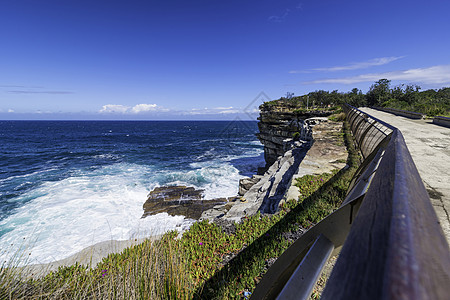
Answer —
66 185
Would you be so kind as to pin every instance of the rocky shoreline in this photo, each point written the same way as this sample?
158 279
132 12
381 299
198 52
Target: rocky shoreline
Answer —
324 153
309 146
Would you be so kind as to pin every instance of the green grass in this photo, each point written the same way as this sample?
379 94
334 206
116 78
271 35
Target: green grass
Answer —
337 117
427 106
198 264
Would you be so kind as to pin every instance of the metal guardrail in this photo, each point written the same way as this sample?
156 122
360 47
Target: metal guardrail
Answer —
443 121
368 131
399 112
394 246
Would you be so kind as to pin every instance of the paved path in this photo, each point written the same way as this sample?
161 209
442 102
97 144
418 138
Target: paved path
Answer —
429 145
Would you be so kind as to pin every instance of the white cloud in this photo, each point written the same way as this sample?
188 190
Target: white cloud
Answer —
139 108
354 66
144 108
431 75
213 111
229 111
10 110
114 108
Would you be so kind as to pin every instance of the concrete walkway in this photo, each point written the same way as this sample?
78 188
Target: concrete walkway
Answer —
429 146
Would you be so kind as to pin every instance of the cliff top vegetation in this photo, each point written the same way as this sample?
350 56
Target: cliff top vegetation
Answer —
405 97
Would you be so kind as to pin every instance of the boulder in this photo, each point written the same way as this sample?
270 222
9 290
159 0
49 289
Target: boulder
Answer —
246 183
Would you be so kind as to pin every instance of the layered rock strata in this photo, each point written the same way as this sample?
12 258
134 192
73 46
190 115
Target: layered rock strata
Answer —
286 134
179 200
246 183
282 128
327 152
266 194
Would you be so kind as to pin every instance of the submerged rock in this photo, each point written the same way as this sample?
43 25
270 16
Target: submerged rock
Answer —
178 200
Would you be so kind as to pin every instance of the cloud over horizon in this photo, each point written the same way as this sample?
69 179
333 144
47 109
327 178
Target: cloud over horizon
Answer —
125 112
212 111
120 109
439 74
137 109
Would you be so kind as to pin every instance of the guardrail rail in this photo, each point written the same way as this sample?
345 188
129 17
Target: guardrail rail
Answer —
443 121
400 112
392 244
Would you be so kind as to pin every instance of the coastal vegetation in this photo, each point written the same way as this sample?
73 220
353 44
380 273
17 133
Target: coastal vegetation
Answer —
431 102
207 261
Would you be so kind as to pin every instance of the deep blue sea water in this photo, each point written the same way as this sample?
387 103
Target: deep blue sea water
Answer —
66 185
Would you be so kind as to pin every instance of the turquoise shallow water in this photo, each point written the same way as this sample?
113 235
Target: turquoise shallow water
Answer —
65 185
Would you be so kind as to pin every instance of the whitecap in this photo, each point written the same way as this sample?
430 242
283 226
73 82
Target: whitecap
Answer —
66 216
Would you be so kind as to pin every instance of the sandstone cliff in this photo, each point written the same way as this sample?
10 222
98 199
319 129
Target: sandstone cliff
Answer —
327 152
287 134
283 127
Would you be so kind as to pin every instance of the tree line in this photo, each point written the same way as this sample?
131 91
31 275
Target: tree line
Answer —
430 102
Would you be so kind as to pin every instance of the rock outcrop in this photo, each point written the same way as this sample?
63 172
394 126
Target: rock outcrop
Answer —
327 152
287 134
179 200
266 194
246 183
282 128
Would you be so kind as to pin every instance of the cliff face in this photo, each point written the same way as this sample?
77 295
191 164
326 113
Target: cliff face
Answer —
286 131
282 128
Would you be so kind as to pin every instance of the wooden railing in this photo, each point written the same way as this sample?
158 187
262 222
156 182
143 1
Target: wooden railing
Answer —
394 247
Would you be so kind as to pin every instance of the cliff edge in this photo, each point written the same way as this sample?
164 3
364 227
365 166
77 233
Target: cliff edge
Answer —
296 143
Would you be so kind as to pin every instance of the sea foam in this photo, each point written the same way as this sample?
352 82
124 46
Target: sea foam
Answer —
68 201
60 218
66 216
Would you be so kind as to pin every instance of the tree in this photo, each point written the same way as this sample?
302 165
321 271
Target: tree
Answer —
411 94
378 93
356 98
289 95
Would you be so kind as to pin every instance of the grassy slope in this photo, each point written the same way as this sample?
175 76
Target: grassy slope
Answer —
198 264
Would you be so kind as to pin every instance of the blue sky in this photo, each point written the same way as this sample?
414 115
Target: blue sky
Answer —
206 59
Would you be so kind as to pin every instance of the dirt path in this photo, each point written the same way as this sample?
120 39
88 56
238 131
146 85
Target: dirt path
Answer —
429 145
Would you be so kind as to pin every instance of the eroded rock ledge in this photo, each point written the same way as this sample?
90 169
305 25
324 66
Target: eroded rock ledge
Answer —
287 135
327 152
179 200
282 128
